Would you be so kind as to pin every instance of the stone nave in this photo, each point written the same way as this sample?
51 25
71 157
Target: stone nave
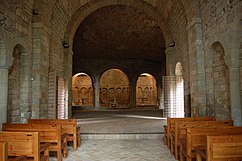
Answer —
182 57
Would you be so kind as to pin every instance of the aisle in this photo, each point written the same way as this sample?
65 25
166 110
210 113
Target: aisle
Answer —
120 135
120 150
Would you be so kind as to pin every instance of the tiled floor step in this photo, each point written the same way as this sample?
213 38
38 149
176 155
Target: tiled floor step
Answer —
122 136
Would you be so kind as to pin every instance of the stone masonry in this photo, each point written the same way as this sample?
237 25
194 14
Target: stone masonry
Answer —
134 36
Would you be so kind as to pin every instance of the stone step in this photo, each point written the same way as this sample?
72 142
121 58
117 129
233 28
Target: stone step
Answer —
127 136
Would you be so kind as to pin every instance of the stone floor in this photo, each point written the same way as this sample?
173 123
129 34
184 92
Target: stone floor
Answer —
120 136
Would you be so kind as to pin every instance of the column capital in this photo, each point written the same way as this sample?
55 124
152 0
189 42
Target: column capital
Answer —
5 61
193 22
233 67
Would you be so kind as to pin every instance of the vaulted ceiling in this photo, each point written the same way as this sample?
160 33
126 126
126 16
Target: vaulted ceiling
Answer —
119 32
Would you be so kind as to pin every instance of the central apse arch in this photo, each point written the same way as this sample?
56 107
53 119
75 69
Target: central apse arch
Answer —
114 89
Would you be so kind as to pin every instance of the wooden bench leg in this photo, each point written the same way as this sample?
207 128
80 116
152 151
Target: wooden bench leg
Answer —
165 140
176 152
198 157
189 158
74 143
59 151
78 137
79 141
46 153
168 142
65 151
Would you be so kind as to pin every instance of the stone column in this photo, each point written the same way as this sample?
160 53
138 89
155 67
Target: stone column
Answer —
160 96
96 93
25 87
3 95
132 93
40 70
170 61
234 79
68 80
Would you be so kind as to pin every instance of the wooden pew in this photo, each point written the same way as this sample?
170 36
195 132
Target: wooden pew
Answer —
22 145
69 126
221 148
196 138
180 131
171 125
48 134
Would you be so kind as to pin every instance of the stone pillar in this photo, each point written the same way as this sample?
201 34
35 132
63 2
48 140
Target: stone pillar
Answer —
3 95
68 80
234 79
25 87
170 61
196 68
132 93
160 96
96 93
40 70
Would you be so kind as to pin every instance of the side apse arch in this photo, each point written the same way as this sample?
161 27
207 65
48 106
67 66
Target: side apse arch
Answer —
114 89
146 91
82 90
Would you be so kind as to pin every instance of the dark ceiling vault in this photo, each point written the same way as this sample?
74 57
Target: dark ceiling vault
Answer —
119 32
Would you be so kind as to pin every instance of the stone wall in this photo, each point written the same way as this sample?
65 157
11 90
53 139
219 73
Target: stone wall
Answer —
194 26
220 25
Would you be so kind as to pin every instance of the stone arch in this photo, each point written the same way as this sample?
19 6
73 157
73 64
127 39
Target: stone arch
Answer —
42 7
18 99
91 6
146 91
221 86
113 81
191 9
82 90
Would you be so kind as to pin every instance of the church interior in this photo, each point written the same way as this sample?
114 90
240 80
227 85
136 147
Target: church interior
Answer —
124 73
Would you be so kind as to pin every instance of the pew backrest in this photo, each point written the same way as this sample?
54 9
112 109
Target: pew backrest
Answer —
69 126
180 130
22 143
197 137
47 133
225 147
180 127
171 124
